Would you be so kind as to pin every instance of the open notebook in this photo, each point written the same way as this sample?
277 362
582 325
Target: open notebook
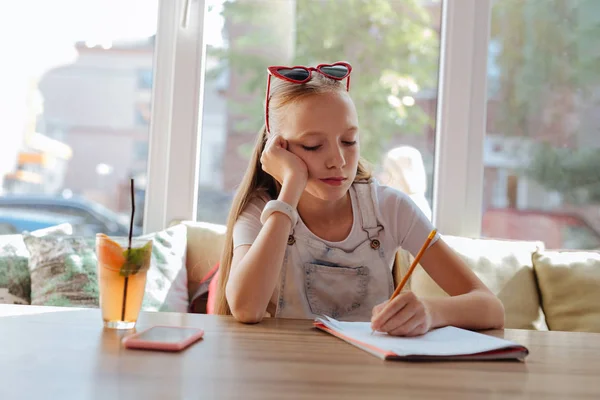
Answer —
447 343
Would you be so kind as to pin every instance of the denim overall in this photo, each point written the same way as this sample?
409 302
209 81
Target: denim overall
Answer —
330 281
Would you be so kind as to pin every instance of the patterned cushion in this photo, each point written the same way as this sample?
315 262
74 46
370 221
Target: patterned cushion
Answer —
15 283
63 271
15 280
167 284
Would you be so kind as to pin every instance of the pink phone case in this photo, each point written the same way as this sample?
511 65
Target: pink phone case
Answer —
139 340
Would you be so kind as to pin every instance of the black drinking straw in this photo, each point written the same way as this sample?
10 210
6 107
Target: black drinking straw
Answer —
128 251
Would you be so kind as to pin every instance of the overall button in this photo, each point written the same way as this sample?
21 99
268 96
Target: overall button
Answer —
374 244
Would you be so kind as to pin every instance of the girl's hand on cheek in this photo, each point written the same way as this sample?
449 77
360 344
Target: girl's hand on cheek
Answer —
282 164
405 315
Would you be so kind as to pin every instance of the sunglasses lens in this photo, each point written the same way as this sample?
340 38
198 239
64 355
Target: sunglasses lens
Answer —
336 71
296 74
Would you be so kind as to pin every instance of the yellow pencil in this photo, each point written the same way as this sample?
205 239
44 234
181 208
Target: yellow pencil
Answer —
414 264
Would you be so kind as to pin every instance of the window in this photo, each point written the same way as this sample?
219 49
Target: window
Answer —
542 147
395 60
142 113
70 94
82 100
140 150
144 79
85 216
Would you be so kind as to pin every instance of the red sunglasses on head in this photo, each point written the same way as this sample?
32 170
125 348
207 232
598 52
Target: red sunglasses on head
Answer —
300 74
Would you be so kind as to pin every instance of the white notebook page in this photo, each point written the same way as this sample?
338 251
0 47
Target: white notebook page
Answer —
447 341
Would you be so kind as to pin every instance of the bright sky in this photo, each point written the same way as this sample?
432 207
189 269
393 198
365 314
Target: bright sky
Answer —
93 20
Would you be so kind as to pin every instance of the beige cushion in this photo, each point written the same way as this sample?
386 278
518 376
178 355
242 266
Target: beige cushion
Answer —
570 288
204 246
505 267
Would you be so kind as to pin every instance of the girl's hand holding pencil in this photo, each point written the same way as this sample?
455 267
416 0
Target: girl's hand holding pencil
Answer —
404 314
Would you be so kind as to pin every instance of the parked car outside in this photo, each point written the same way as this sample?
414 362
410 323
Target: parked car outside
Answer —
19 212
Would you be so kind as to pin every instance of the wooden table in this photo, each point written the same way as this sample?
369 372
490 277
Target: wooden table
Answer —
64 353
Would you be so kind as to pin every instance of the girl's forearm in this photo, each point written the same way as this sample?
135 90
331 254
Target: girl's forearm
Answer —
475 310
252 282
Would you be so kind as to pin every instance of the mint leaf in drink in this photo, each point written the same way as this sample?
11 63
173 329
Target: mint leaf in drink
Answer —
136 259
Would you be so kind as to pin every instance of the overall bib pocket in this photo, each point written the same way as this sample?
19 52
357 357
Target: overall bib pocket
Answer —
333 290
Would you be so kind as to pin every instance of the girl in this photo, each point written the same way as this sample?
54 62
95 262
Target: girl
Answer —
310 233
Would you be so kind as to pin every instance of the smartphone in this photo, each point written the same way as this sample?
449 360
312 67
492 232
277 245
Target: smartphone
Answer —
166 338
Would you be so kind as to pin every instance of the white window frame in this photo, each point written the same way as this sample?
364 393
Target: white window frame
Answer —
177 103
178 93
461 117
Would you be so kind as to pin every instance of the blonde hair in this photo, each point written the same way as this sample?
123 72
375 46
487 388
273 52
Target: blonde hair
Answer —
256 181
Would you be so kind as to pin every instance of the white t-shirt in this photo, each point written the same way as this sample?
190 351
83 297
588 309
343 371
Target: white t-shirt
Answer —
404 224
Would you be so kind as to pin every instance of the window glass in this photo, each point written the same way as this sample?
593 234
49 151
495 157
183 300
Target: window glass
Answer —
393 47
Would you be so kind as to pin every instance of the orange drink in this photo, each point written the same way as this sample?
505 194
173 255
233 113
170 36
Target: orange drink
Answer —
122 279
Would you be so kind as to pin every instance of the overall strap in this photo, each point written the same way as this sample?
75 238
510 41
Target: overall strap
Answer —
365 194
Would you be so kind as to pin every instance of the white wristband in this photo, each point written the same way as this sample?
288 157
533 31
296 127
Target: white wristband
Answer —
279 206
